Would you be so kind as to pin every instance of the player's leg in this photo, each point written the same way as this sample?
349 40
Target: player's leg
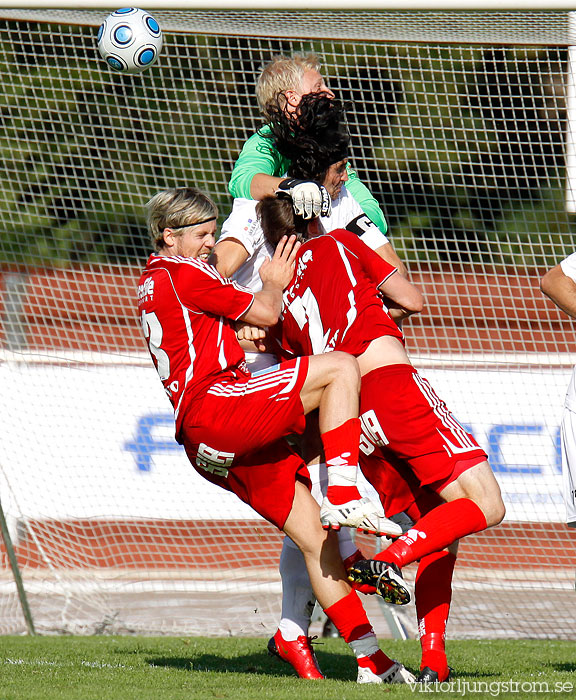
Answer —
568 442
474 502
479 485
438 529
433 595
291 641
332 385
338 600
433 584
442 455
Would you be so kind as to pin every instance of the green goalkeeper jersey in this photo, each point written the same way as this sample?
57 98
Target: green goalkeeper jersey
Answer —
259 155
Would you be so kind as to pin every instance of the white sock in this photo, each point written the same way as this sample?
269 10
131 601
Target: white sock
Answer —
297 595
340 474
365 646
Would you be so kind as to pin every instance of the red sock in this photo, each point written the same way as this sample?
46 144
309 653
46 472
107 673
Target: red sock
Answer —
349 617
433 593
437 529
350 620
341 447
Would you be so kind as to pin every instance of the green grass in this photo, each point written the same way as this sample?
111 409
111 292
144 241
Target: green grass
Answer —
174 668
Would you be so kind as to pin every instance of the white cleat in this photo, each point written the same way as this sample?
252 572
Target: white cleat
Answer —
397 673
363 514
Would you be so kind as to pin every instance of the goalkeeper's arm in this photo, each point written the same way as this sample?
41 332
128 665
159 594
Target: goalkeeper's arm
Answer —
365 199
259 168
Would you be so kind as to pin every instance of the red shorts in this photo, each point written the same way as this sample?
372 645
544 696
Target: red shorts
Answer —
234 437
409 439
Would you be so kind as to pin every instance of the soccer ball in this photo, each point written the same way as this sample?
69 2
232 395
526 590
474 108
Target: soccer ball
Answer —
130 40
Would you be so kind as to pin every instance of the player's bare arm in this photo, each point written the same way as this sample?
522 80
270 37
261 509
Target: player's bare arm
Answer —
263 185
275 274
388 253
228 256
561 289
402 297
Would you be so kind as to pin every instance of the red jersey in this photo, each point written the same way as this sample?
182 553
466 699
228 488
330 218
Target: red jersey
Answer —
187 310
332 302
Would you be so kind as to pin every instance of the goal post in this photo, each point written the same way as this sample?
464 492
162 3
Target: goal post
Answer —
459 123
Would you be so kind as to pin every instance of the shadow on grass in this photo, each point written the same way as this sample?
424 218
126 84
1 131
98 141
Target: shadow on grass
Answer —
564 667
472 675
335 666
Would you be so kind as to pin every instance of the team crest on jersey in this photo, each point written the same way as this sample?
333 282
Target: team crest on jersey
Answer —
305 258
146 289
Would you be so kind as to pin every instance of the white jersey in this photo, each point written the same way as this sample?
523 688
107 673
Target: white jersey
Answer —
568 427
243 226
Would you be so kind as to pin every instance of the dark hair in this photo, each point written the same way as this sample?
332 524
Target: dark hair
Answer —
277 219
313 137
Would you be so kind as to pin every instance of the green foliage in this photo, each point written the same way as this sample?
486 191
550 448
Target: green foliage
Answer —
85 150
467 154
148 668
462 145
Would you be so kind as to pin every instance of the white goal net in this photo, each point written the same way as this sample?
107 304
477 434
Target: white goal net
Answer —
460 129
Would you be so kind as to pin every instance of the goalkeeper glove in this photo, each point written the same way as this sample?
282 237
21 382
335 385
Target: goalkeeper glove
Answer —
309 199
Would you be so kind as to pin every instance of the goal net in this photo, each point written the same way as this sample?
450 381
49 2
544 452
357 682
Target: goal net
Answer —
460 129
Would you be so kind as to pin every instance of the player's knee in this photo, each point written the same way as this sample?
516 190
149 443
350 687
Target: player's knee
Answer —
496 513
345 367
493 508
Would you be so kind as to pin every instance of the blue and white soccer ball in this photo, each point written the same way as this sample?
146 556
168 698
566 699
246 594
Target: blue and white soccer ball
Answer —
130 40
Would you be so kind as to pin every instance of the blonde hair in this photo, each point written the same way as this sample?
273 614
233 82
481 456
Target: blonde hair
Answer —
177 207
281 74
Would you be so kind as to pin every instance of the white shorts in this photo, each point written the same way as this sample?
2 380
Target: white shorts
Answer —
257 361
568 438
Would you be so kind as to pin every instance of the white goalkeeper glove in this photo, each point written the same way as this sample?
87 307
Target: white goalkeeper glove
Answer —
309 199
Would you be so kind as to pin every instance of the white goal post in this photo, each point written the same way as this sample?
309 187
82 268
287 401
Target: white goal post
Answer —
459 123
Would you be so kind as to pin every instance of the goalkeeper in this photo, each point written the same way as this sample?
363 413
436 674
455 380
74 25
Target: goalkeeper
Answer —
260 168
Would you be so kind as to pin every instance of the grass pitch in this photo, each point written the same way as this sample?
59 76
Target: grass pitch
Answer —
174 668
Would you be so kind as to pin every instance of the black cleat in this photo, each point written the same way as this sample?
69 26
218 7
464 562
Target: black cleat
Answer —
427 675
386 577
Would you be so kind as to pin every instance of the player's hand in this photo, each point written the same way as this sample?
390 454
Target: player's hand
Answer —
279 270
309 199
249 335
244 331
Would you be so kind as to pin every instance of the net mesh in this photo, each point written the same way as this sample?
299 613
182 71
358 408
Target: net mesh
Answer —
460 127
